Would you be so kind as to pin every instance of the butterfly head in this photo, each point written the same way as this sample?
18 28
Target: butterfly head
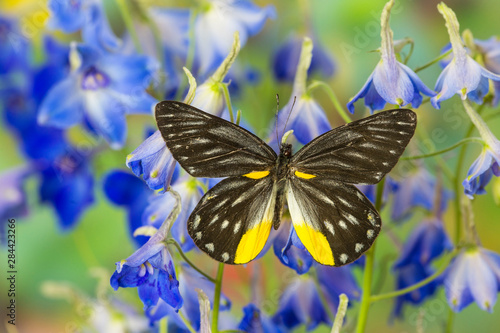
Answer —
286 150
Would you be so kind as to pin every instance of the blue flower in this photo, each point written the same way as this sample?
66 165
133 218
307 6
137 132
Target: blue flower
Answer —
154 162
307 119
189 281
160 206
255 321
335 281
124 189
490 50
68 185
215 26
85 15
290 250
488 162
474 275
427 242
286 59
13 203
101 90
14 49
391 81
417 189
152 271
482 170
301 303
463 75
409 275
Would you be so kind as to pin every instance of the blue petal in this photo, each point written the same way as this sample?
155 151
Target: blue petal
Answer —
66 15
148 291
124 189
479 174
63 106
299 259
482 89
392 83
362 93
482 282
338 280
456 286
308 120
168 288
96 30
107 116
128 277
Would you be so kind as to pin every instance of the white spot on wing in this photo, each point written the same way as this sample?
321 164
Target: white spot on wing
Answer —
343 258
196 222
351 218
343 225
329 226
392 151
210 247
359 247
224 224
225 256
237 227
198 235
370 233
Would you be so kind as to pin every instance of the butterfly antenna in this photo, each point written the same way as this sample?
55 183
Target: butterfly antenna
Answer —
276 116
290 112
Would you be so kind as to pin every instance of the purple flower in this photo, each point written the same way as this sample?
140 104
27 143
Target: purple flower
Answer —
301 303
482 170
474 275
154 162
463 75
307 119
391 81
407 276
85 15
417 189
68 185
255 321
215 26
14 49
287 56
487 164
100 91
426 242
189 281
290 250
124 189
151 270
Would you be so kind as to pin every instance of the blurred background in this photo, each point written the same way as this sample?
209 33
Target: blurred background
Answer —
348 31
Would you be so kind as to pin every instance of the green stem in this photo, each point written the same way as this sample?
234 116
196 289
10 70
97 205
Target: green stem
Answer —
341 310
218 288
412 44
189 262
127 18
163 325
186 322
329 91
190 51
415 286
227 98
432 62
439 152
368 273
458 184
449 322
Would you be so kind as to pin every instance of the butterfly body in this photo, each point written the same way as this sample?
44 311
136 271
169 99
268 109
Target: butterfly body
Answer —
332 218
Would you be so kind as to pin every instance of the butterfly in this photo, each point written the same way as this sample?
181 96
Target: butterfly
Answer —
332 218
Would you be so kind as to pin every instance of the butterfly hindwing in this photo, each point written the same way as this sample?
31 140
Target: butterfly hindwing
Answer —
232 221
360 152
209 146
335 221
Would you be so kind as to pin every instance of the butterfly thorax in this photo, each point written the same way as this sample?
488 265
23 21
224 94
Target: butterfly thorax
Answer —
281 174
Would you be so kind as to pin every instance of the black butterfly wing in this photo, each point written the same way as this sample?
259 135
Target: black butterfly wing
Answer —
208 146
335 221
360 152
232 221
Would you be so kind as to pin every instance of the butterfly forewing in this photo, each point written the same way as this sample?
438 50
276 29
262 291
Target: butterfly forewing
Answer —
208 146
335 221
360 152
232 221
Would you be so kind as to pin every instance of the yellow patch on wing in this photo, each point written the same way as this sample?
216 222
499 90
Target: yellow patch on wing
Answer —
252 242
256 174
304 175
315 242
